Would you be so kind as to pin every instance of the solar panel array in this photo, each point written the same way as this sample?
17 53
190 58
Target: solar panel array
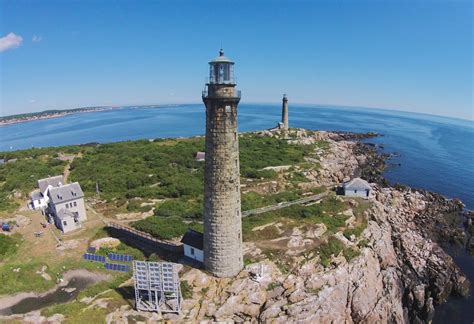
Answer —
120 257
117 267
157 286
94 257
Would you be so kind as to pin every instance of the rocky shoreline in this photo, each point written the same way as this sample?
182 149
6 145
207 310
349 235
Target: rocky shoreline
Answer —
400 276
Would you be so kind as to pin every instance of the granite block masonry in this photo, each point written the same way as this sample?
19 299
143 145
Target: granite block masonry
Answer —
222 211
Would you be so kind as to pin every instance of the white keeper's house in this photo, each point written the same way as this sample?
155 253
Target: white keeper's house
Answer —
62 203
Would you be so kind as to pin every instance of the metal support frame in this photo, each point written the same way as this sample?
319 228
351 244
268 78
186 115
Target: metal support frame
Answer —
157 287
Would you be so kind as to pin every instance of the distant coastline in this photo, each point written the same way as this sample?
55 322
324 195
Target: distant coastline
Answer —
48 114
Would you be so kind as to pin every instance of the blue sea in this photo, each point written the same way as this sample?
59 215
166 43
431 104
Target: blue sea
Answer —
435 153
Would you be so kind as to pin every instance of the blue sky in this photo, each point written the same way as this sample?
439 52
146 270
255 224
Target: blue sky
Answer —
403 55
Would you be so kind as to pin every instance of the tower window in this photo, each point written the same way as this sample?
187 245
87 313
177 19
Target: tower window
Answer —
228 109
226 69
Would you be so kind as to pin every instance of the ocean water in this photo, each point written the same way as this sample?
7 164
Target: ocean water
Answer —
435 153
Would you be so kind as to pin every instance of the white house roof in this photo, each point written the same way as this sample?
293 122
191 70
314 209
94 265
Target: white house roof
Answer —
36 195
357 183
53 181
65 193
193 238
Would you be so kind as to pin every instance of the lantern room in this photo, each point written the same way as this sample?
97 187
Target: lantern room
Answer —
221 70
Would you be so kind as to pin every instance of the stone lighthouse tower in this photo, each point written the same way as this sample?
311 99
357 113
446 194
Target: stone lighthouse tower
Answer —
222 214
284 113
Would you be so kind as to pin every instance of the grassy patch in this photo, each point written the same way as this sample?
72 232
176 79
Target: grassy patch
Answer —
77 312
26 278
18 277
258 152
134 205
123 249
350 253
325 212
248 260
298 177
273 285
186 290
362 206
356 231
165 227
253 200
363 243
265 234
332 247
9 245
181 208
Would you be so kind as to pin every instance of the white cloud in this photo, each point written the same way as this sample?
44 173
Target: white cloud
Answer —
37 39
32 101
10 41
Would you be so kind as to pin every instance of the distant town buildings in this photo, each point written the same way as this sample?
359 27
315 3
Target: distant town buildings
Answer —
357 187
63 203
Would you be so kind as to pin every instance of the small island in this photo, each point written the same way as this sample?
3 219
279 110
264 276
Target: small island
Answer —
309 252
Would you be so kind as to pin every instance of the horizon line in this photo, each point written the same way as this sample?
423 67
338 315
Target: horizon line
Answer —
260 103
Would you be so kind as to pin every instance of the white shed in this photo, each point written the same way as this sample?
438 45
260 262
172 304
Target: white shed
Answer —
357 187
200 156
193 245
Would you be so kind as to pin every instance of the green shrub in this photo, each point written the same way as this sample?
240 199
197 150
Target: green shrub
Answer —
356 231
332 247
165 227
180 208
186 290
135 206
350 254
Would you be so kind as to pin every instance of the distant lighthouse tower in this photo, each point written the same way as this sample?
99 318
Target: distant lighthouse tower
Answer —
222 212
284 114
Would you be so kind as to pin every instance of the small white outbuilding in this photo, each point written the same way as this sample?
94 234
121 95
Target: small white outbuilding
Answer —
357 187
193 242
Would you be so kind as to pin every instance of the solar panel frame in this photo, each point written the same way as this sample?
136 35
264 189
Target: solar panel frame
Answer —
94 257
117 267
120 257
